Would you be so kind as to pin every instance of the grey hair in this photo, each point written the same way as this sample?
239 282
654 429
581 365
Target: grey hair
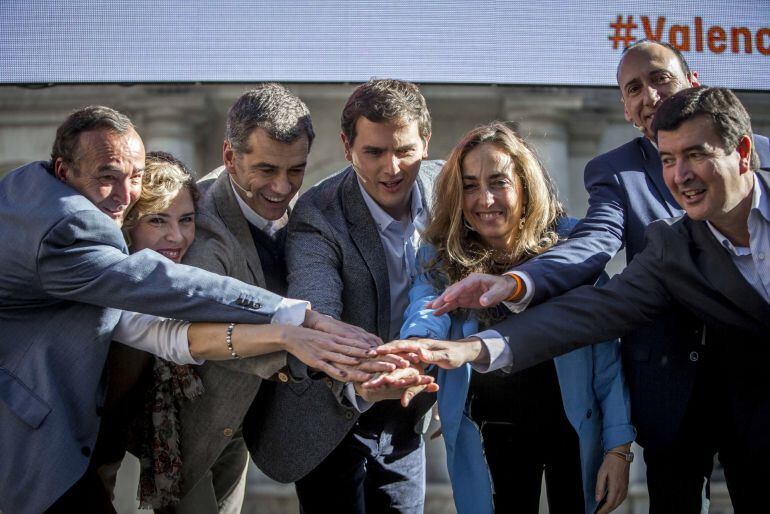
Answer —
272 108
93 117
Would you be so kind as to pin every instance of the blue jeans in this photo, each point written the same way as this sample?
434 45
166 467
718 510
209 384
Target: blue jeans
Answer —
368 473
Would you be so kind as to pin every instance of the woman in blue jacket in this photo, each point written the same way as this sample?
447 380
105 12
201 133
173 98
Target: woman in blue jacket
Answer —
495 207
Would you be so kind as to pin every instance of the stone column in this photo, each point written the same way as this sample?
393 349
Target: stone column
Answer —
171 119
542 119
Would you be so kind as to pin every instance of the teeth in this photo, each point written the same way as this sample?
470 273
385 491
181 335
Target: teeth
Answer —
489 215
274 199
690 194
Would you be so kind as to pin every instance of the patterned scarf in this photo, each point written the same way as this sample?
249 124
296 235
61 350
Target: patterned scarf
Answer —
158 446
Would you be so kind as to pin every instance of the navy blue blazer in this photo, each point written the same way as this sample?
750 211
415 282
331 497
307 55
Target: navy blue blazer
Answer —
66 274
627 193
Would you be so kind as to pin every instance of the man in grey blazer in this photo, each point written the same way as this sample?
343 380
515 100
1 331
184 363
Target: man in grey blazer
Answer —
350 252
66 276
240 233
712 262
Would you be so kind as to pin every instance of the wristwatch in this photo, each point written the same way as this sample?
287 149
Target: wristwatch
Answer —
626 456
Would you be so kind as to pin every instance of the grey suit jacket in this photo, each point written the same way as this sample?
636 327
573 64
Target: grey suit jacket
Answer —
682 264
66 272
336 260
280 431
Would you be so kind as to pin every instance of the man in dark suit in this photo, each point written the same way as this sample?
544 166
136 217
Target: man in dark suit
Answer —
66 275
350 252
664 361
711 263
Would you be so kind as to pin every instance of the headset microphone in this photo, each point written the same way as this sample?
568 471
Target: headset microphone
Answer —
248 193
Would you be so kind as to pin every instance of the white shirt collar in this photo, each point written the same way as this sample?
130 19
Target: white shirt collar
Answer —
759 201
381 218
269 227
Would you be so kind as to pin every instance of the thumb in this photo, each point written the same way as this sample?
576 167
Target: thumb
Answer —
496 294
601 480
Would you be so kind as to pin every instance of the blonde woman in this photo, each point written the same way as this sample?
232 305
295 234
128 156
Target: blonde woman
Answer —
494 207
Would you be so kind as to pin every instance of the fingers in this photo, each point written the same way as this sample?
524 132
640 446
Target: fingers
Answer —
401 347
411 392
500 290
376 366
601 479
399 361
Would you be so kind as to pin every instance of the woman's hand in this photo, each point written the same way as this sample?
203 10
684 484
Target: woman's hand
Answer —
612 480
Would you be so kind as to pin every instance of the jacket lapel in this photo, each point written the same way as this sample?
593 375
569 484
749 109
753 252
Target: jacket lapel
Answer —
654 170
366 238
718 268
230 212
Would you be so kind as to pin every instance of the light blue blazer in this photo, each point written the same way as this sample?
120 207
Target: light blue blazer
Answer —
592 386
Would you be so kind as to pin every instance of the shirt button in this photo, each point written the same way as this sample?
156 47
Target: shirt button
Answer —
85 450
694 356
761 256
227 432
589 413
283 377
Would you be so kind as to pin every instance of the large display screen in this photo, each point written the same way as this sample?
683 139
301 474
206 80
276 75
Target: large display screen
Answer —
543 42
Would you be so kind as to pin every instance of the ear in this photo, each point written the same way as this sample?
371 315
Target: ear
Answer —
626 114
346 146
61 169
426 140
744 151
693 79
228 157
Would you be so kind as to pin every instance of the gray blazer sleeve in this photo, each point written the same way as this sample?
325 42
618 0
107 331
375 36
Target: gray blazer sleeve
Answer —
589 314
213 251
314 261
82 258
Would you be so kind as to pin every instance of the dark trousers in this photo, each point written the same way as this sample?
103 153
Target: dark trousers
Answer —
678 477
368 473
517 460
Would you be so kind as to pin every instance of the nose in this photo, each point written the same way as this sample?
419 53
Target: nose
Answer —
682 173
173 232
651 96
281 185
394 165
487 198
122 193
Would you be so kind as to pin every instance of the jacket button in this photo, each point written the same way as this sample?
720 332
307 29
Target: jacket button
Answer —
348 415
85 450
328 382
694 356
589 413
283 377
227 432
256 305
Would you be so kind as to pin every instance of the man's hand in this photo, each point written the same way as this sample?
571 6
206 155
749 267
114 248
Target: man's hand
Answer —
612 481
337 356
403 383
445 354
476 291
333 326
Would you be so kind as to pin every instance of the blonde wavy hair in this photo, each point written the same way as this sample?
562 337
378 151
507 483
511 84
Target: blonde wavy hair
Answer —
460 251
164 177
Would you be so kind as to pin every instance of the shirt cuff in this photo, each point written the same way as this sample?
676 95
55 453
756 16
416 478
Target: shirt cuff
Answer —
164 337
500 356
290 312
522 303
358 403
